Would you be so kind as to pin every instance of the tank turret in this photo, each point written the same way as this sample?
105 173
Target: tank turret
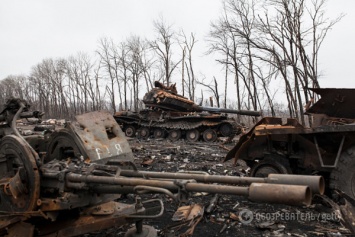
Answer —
166 98
171 114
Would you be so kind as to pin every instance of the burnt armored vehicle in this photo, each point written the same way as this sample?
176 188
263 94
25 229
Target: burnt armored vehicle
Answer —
170 114
274 145
67 183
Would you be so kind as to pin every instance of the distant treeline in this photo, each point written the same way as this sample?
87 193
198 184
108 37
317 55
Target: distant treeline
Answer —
260 53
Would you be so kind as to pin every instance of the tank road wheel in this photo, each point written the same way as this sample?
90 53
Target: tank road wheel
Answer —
130 131
268 166
209 135
192 135
343 176
226 129
159 133
143 133
20 181
174 135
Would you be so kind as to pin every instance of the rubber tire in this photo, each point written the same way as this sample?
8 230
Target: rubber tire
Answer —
269 166
192 135
343 176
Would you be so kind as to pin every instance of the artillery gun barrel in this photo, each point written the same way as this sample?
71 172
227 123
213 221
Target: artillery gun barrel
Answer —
316 183
230 111
260 192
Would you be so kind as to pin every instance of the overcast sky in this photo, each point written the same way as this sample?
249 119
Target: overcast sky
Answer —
32 30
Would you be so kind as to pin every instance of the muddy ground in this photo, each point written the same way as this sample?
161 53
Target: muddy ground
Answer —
230 216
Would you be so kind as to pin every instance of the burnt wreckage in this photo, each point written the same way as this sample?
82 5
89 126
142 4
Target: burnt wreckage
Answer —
171 115
66 183
326 148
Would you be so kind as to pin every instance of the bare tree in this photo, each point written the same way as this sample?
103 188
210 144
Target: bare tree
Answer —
110 60
14 86
123 68
236 51
289 38
79 69
213 88
162 45
224 43
137 47
42 75
280 45
188 44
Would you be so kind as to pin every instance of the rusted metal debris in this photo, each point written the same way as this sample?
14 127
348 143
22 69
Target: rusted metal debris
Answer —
69 185
224 217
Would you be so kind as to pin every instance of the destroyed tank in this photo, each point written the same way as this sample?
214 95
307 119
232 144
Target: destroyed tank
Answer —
170 114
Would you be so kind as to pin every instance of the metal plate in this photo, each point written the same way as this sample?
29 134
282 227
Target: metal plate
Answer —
102 137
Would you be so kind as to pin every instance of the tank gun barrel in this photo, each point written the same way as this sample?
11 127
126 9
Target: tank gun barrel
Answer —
230 111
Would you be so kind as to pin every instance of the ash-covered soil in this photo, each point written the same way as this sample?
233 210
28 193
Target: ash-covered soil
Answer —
229 215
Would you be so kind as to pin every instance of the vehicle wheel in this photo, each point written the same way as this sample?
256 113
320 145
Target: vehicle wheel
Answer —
192 135
130 131
159 133
343 176
174 135
226 129
144 133
266 167
19 176
209 135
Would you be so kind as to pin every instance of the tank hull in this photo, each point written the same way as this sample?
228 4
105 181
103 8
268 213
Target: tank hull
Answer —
176 125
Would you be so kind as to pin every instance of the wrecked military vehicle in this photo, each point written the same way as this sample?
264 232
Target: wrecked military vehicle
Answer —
171 115
275 145
66 183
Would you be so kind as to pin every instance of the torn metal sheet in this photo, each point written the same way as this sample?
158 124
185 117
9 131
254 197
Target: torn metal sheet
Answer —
334 102
102 137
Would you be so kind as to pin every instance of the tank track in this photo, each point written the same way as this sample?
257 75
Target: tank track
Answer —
184 126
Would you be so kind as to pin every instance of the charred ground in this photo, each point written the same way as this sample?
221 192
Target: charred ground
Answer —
224 218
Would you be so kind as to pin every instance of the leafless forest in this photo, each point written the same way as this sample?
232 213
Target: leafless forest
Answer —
254 42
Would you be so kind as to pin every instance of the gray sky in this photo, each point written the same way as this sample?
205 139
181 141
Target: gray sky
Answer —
33 30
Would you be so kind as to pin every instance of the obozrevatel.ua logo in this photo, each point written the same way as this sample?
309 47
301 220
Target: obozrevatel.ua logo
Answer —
246 216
